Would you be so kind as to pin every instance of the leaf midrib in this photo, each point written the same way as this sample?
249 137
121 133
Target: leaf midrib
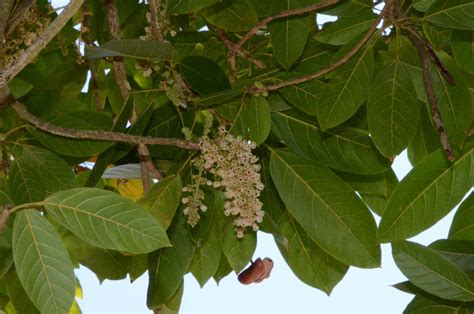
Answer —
435 273
327 206
452 166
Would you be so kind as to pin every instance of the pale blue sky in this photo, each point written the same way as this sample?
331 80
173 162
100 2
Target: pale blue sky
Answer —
361 290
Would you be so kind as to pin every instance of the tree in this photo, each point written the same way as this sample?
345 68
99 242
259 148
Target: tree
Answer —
205 121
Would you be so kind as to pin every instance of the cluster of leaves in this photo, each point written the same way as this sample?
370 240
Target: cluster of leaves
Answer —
325 146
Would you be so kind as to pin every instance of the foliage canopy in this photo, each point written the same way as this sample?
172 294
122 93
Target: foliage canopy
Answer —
149 167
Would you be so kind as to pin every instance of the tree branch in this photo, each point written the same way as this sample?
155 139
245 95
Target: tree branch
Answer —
89 40
279 15
330 68
4 217
432 100
155 26
12 69
124 85
100 135
230 57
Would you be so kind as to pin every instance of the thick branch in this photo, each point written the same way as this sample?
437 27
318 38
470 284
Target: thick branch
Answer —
279 15
331 67
100 135
12 69
433 102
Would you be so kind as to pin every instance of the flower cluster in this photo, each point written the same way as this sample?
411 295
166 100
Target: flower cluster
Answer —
234 168
25 33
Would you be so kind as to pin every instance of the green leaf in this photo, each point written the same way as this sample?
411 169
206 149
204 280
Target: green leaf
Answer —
392 109
253 119
223 270
432 272
454 102
463 47
106 220
26 184
455 14
304 96
427 304
347 149
6 257
231 16
426 139
42 263
207 256
375 190
166 267
289 35
345 93
203 75
426 195
350 9
19 300
422 5
78 120
239 251
345 29
327 209
462 227
307 260
133 48
460 252
54 171
19 88
187 6
105 264
163 199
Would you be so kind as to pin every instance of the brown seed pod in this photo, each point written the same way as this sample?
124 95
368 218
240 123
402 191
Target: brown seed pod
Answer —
257 271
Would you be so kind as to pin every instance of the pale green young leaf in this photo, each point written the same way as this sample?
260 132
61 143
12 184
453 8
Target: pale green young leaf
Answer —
106 220
42 263
327 209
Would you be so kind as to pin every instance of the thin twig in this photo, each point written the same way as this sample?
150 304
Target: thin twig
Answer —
4 217
124 85
119 67
331 67
100 135
155 5
89 40
244 54
432 100
281 14
13 68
